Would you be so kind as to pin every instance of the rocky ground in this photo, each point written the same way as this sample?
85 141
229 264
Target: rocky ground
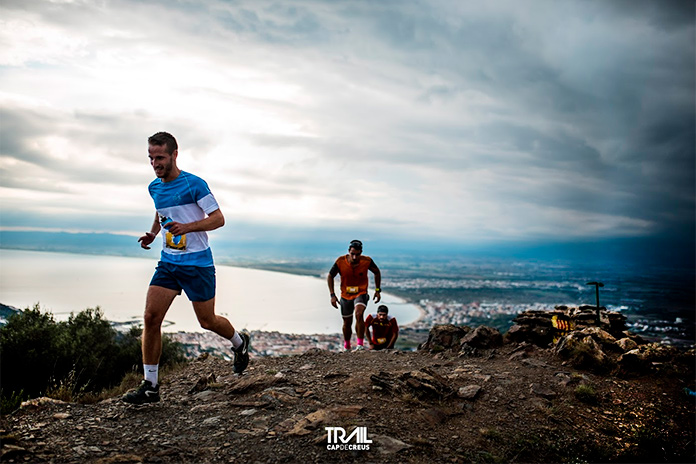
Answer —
514 403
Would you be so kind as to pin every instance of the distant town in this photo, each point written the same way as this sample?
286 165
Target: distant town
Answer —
410 335
446 293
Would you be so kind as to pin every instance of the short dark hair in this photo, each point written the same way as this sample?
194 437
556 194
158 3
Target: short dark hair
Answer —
164 138
357 244
383 309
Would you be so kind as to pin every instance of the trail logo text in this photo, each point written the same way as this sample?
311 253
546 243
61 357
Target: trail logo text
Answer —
337 439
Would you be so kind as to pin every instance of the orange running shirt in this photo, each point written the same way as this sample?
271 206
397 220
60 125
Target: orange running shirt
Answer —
353 278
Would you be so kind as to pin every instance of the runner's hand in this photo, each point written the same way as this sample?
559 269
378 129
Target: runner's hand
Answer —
377 297
334 301
177 228
146 239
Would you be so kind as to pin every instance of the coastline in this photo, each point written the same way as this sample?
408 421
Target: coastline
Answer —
492 300
302 272
254 299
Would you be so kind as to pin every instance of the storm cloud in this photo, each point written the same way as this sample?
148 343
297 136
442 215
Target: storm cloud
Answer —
446 119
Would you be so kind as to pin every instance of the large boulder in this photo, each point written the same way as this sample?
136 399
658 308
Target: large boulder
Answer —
483 337
423 383
445 337
645 357
627 344
607 341
582 351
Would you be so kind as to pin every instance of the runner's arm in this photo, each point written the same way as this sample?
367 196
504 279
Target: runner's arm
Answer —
395 334
368 324
330 282
149 237
214 221
378 281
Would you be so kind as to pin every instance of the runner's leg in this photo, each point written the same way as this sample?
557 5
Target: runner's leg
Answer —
205 312
360 320
157 303
347 332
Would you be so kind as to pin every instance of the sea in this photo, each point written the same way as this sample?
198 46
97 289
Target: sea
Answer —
657 300
65 283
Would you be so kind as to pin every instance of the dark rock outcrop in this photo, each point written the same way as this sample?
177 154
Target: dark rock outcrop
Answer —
445 337
581 350
543 328
646 357
423 383
483 337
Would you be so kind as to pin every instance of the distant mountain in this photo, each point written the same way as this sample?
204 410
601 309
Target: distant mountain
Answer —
232 247
5 313
89 243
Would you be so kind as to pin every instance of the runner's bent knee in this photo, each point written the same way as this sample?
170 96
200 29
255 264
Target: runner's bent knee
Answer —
207 324
153 318
158 301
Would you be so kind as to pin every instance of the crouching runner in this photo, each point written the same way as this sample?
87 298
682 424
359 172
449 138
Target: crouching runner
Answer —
382 329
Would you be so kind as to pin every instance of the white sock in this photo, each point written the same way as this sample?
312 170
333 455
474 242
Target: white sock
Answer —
236 340
151 371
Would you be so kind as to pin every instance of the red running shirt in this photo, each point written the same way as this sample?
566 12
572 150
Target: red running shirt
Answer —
382 332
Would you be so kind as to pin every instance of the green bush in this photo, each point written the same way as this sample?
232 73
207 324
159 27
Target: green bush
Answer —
67 359
11 402
30 352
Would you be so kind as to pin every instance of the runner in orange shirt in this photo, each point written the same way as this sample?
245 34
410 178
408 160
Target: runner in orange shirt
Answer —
353 269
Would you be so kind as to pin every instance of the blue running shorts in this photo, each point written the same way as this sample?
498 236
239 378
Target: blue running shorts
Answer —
197 282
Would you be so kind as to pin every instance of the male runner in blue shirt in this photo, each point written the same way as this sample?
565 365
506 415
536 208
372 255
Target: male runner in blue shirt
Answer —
185 211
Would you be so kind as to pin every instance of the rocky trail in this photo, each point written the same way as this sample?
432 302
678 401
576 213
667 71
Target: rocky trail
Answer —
559 387
515 403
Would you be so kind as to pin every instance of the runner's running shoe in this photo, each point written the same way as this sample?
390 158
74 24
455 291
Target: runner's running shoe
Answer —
359 348
241 354
145 393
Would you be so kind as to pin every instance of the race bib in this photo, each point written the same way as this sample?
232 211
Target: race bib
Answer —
381 341
177 242
352 289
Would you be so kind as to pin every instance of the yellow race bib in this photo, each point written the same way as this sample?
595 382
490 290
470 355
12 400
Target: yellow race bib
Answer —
352 289
181 245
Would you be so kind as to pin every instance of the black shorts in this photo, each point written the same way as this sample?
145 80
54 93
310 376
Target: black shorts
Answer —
348 306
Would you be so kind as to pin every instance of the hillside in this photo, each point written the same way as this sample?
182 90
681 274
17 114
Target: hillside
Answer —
513 403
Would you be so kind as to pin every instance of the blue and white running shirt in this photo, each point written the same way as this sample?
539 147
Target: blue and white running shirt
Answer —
185 199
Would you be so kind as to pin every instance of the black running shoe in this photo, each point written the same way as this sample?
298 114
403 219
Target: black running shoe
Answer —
241 354
145 393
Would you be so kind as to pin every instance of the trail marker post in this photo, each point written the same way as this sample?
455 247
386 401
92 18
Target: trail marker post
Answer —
597 285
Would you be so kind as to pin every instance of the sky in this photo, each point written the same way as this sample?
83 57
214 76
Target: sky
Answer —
441 121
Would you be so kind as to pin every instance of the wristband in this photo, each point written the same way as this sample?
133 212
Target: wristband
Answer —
333 294
378 290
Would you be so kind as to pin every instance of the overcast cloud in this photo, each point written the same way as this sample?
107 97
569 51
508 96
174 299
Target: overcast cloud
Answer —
439 119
